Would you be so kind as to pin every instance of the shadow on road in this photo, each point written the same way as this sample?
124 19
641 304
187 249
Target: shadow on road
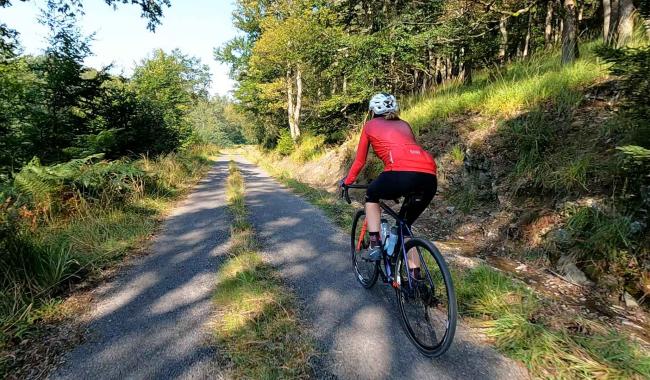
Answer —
149 322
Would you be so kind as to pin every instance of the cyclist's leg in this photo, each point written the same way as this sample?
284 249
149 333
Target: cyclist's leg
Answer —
426 185
384 187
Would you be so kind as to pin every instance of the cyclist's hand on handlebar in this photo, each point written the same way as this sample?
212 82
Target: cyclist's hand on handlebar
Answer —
344 191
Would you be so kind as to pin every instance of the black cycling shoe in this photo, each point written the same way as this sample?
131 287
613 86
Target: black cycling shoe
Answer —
374 254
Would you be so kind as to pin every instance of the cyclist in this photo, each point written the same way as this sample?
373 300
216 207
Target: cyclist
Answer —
408 169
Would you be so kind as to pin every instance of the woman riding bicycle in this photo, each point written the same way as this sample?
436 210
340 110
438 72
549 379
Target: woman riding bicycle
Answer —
408 169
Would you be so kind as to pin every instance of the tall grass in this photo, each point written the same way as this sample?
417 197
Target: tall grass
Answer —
63 223
551 346
256 322
503 93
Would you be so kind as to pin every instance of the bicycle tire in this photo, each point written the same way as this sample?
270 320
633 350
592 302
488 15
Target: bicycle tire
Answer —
366 280
443 345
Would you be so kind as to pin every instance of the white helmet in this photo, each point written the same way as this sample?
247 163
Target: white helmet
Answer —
383 103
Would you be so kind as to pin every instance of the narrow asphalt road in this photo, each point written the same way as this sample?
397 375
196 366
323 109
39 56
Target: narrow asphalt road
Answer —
359 330
150 321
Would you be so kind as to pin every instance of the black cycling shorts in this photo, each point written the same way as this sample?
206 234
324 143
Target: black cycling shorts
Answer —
395 184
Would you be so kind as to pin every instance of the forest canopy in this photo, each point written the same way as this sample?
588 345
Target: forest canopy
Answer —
311 65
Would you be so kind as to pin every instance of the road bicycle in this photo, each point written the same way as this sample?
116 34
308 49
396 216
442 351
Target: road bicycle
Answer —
427 304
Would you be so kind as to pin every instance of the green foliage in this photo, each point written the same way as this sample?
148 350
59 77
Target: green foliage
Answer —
465 199
502 93
58 187
483 291
457 154
308 148
632 67
285 145
601 235
636 165
172 82
62 222
55 108
215 122
514 318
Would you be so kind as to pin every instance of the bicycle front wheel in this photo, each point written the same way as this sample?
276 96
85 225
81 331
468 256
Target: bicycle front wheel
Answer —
428 303
365 271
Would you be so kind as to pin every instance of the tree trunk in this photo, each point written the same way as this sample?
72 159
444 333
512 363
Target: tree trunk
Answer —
548 28
438 77
557 31
569 34
581 11
296 111
503 46
625 22
425 82
467 72
613 21
290 106
416 77
527 39
391 71
607 13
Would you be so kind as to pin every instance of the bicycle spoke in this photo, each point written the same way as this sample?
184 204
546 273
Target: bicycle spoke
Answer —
426 308
366 271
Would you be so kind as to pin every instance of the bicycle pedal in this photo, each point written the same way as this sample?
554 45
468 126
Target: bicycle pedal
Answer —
395 285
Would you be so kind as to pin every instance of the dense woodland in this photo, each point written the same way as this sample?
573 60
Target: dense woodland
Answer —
56 109
311 65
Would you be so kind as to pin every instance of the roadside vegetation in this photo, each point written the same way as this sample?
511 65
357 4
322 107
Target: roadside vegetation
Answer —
90 213
536 133
535 112
256 322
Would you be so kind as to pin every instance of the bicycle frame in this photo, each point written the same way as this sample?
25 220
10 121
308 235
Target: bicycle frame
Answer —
394 266
402 226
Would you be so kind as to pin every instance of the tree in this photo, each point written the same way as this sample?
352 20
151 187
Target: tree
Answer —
569 32
173 83
286 46
625 26
64 107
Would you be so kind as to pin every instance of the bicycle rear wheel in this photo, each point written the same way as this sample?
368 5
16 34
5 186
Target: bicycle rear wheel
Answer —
365 271
428 306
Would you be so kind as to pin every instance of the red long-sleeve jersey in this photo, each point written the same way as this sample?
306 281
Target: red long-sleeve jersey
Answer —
394 143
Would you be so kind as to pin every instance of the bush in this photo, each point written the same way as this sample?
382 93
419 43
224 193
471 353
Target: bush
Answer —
67 186
309 147
610 243
285 145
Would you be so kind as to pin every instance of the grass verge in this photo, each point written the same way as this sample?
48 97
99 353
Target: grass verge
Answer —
256 324
517 321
